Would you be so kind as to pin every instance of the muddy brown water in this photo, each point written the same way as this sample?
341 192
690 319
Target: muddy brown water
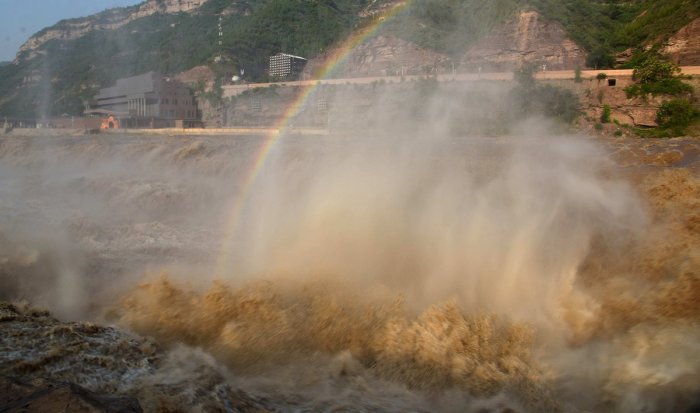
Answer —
362 274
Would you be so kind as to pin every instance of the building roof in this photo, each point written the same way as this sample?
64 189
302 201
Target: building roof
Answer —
290 55
131 85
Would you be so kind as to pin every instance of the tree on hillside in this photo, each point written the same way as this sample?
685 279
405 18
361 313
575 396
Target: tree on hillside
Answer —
657 76
600 58
676 115
654 69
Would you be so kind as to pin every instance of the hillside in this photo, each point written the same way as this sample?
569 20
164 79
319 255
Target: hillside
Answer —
62 66
56 75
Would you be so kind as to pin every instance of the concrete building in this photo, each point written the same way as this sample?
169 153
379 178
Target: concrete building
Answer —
150 99
287 66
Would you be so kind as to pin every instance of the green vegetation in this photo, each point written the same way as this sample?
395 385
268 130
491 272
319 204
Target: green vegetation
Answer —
577 75
676 115
531 98
672 86
253 30
602 27
652 133
169 43
300 27
594 25
450 26
215 95
656 76
601 76
606 27
654 69
600 58
657 20
605 116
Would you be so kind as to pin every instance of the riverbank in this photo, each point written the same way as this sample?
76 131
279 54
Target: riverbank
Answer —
34 132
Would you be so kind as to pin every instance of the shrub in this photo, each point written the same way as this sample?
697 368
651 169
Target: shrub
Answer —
670 86
618 133
525 76
653 69
547 100
598 126
577 75
656 76
533 99
601 76
600 58
557 102
652 133
605 116
676 115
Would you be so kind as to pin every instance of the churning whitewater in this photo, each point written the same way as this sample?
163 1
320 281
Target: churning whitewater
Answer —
524 273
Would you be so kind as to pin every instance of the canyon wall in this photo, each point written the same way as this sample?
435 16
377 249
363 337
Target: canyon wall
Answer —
107 20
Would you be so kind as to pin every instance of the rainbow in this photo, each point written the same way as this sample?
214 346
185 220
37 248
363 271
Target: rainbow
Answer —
271 139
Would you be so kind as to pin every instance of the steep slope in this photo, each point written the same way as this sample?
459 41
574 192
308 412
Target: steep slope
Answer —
107 20
383 55
604 28
525 39
684 46
61 67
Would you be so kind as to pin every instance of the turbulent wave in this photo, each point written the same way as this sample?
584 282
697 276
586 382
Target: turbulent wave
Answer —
515 274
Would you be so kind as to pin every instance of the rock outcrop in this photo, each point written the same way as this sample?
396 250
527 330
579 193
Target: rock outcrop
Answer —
684 46
527 38
106 20
42 396
48 366
384 55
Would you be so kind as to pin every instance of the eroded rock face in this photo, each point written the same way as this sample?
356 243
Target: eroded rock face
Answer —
384 56
107 20
684 46
527 38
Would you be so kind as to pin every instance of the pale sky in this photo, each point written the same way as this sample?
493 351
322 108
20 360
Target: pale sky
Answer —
19 19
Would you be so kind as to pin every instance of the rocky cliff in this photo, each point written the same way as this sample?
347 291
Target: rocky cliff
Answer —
526 38
107 20
684 46
383 55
